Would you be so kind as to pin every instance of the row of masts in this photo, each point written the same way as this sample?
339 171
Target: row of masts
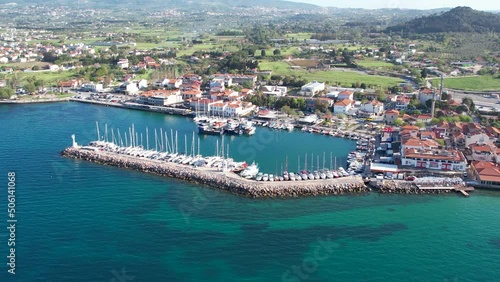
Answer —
162 142
333 163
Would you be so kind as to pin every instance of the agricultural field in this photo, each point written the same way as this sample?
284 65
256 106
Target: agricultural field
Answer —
50 78
474 83
341 77
299 36
373 64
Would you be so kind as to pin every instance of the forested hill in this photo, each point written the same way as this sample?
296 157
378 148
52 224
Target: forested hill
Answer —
459 19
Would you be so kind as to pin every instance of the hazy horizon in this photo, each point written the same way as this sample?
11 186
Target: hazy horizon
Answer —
421 5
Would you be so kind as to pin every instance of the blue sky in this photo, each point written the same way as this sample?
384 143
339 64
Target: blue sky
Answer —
405 4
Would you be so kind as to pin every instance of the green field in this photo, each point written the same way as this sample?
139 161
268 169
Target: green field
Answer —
339 76
476 83
372 63
300 35
50 78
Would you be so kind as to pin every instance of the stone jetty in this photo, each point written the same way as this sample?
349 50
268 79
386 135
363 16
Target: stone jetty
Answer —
227 181
400 187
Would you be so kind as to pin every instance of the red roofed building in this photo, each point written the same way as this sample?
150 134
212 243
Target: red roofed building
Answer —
438 159
486 173
483 152
390 116
342 106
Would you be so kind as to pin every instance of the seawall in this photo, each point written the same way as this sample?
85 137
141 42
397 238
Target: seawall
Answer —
226 181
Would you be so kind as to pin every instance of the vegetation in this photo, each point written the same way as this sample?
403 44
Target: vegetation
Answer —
475 83
459 19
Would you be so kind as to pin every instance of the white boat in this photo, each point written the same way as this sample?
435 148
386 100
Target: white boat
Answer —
289 127
265 177
271 177
259 176
292 176
250 171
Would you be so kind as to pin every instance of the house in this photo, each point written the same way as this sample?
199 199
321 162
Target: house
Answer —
123 63
483 152
312 88
277 91
217 84
173 83
458 139
203 105
493 131
456 127
346 94
342 107
427 94
402 102
390 116
73 83
423 118
486 173
191 94
373 107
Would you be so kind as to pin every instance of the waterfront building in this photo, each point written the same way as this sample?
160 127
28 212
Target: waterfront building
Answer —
161 97
373 107
487 174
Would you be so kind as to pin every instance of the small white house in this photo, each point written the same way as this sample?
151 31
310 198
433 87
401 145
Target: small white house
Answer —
277 91
373 107
342 107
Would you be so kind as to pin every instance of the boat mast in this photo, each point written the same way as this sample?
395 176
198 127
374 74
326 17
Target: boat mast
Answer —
198 146
120 137
305 162
176 143
167 146
172 140
134 142
113 136
317 162
126 141
106 132
130 137
156 141
298 164
161 137
185 145
331 160
312 161
97 128
147 139
324 153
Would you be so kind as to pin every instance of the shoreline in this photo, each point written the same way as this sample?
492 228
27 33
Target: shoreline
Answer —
35 101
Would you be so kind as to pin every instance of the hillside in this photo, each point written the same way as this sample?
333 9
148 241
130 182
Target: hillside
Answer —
459 19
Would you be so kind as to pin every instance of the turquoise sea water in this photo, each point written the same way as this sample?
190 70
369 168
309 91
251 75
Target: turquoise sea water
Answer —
79 221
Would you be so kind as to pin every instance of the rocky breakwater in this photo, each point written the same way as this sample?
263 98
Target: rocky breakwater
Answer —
226 181
403 187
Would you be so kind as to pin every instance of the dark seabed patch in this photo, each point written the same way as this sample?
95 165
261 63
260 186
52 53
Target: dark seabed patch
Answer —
391 209
495 242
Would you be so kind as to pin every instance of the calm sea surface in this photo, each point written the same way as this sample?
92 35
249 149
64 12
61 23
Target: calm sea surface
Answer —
79 221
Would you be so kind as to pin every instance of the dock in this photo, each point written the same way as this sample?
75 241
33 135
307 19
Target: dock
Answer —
223 180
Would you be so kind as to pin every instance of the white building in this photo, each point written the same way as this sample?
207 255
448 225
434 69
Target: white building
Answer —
373 107
312 88
342 107
91 87
277 91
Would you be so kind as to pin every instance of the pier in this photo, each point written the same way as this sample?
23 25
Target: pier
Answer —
222 180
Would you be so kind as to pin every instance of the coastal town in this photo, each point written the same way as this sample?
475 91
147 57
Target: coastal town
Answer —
391 97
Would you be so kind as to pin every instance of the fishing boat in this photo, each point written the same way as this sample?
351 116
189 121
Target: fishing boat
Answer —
215 128
248 127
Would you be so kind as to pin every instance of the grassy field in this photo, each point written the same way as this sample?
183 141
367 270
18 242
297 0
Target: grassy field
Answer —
372 63
342 77
477 83
299 36
50 78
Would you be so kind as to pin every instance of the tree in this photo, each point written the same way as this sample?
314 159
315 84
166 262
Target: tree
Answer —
469 103
35 67
276 52
30 87
380 95
321 106
445 96
398 122
424 73
420 124
6 93
263 53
